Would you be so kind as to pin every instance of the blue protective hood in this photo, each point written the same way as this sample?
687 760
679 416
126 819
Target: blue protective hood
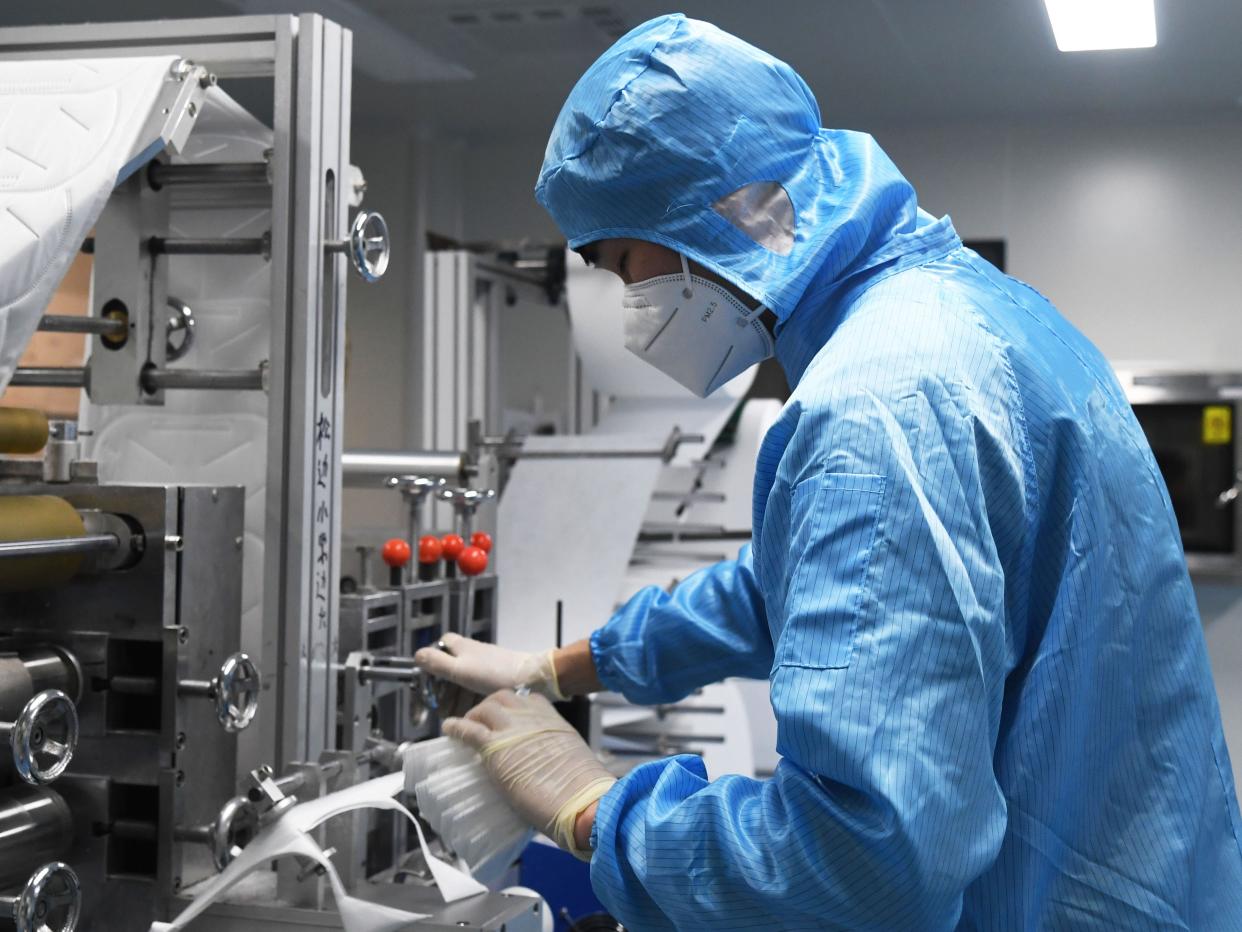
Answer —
678 114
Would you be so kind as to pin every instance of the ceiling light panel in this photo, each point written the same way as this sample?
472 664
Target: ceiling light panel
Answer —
1094 25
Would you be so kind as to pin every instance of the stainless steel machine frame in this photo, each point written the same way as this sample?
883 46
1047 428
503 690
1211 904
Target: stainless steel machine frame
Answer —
308 59
149 767
1162 386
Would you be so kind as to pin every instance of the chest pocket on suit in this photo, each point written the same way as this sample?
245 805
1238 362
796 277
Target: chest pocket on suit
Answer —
834 522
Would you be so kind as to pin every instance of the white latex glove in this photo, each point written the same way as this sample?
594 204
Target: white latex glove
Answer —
537 760
484 668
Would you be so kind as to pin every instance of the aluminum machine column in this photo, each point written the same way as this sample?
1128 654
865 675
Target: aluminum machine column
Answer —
308 326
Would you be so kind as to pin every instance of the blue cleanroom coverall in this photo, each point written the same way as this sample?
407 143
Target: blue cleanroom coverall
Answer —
965 583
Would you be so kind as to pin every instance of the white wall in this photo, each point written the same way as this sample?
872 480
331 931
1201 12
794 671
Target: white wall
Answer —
1133 229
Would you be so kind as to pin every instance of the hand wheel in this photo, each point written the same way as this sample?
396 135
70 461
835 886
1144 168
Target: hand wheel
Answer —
369 245
234 690
51 901
44 737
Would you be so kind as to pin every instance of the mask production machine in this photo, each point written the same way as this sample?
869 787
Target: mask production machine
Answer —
177 663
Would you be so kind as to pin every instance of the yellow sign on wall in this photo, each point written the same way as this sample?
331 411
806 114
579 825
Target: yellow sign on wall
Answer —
1217 425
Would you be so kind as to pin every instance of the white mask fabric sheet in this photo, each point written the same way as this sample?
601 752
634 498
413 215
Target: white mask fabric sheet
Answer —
577 517
67 127
288 836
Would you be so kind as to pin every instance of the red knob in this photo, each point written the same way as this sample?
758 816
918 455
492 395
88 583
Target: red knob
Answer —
482 540
429 549
473 561
453 546
396 553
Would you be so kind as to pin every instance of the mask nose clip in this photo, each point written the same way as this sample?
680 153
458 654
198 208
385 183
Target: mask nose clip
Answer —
688 290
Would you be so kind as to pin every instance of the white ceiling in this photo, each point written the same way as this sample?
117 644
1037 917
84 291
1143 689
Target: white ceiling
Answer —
870 62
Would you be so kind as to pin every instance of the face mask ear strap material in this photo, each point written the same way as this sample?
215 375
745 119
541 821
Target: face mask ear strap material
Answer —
688 291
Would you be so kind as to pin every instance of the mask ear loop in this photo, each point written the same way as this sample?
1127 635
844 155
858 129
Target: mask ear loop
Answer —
688 291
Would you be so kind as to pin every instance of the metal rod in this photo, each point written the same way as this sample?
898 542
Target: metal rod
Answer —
687 497
389 674
154 380
50 376
223 173
216 246
58 545
134 685
193 246
205 688
71 323
198 834
134 830
372 468
662 453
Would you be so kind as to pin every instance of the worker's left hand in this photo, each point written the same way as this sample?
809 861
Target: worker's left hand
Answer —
537 759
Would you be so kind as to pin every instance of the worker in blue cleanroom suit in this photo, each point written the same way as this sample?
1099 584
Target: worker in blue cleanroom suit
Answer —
965 583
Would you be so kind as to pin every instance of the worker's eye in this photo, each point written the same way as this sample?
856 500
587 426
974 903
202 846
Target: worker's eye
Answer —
623 264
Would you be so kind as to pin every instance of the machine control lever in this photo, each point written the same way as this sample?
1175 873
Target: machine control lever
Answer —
415 490
44 736
234 690
51 901
466 502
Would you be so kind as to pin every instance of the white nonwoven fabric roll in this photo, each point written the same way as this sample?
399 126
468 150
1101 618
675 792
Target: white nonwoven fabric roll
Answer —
68 127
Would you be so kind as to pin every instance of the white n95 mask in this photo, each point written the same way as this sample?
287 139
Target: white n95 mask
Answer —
693 330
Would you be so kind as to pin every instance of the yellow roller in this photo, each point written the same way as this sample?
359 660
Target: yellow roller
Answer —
22 430
37 517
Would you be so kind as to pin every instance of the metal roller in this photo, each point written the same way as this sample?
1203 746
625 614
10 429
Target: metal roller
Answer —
22 430
36 826
373 468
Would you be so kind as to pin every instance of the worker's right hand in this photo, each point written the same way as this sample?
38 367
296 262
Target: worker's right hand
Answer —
484 668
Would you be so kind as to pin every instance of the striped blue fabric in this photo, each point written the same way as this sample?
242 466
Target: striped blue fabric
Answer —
965 584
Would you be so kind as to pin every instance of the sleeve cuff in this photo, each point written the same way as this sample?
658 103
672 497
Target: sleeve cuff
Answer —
601 655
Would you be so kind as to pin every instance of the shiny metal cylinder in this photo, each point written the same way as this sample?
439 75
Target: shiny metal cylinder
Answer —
89 543
223 173
371 468
154 380
36 826
373 674
49 377
221 246
73 323
53 668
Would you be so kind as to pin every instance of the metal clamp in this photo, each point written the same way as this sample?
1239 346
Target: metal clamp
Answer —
181 319
234 690
368 246
51 901
44 737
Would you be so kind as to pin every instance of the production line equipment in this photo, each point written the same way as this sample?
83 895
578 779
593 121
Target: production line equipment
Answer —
145 748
